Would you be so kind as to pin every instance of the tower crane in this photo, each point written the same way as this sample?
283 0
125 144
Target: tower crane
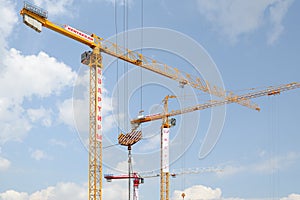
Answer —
139 179
37 18
166 124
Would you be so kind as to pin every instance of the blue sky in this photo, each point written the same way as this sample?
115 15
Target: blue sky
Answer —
242 44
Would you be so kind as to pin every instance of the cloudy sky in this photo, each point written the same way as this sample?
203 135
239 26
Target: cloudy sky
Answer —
235 44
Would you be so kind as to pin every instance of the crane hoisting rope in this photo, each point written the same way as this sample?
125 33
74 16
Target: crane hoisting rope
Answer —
126 83
142 42
182 147
125 64
117 63
129 171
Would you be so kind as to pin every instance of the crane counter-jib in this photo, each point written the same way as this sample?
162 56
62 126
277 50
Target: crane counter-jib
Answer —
89 40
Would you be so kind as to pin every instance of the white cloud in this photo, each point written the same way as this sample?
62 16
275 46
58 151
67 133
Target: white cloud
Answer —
13 124
271 165
39 154
152 143
59 191
237 18
118 2
8 19
62 191
198 192
276 163
55 7
56 142
108 123
116 190
239 199
68 190
277 13
4 164
207 193
66 114
74 111
13 195
24 77
123 166
230 170
40 115
37 75
292 197
66 7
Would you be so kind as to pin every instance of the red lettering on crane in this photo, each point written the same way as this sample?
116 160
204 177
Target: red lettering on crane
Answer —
99 137
79 33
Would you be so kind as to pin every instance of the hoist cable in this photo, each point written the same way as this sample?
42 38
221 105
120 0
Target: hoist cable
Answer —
117 74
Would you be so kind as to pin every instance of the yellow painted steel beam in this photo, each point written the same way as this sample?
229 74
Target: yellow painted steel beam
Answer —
50 25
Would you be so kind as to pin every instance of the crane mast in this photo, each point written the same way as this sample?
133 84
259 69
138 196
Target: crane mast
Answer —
95 129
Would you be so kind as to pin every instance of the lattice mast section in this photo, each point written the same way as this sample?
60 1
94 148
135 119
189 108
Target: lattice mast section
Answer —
95 126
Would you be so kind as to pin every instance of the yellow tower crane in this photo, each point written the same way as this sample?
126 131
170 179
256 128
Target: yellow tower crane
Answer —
37 18
166 124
